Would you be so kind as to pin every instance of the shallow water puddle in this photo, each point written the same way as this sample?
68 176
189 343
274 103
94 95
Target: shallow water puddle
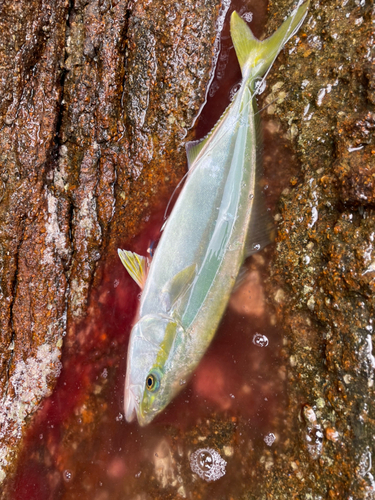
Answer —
205 444
80 444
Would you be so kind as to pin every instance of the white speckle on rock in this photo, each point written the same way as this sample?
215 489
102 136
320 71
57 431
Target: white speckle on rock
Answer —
279 296
311 303
181 491
164 465
30 385
321 94
228 451
55 239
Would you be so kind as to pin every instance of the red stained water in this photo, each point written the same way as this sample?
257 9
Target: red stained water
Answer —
238 386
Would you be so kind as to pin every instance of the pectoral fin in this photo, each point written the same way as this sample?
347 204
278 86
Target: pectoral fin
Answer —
136 265
178 285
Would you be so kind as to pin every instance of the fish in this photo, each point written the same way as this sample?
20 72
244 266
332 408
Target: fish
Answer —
218 220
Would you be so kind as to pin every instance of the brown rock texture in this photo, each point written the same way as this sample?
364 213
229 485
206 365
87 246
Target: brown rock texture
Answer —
35 246
97 99
322 272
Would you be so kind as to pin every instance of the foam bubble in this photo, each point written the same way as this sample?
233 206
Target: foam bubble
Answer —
207 464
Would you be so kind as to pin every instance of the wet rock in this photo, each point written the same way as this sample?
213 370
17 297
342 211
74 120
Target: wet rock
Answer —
95 112
35 246
96 101
324 257
165 467
355 163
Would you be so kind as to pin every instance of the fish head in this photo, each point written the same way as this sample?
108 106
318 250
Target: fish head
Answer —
152 376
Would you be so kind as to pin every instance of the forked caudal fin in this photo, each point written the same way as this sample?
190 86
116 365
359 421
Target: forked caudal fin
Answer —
254 56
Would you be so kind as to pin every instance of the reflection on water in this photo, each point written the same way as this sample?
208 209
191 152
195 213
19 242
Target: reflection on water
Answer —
205 444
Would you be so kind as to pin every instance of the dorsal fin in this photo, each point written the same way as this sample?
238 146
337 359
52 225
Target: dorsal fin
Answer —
136 265
193 148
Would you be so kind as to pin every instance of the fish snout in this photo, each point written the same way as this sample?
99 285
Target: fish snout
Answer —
131 403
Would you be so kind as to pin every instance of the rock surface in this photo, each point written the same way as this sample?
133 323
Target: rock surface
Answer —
98 99
324 254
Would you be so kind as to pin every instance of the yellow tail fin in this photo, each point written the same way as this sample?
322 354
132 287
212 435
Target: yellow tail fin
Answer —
254 56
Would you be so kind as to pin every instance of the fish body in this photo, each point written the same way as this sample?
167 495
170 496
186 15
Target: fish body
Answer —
218 220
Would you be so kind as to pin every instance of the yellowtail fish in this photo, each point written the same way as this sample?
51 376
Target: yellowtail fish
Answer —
218 220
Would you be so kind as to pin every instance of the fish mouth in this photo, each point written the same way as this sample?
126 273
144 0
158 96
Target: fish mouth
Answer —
133 410
131 403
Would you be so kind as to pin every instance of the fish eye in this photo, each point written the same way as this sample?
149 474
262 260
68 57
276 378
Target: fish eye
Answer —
152 382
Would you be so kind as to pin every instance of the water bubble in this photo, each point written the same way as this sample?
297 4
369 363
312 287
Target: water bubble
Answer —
260 85
365 464
256 246
251 196
247 16
67 475
270 439
207 464
260 340
214 87
233 91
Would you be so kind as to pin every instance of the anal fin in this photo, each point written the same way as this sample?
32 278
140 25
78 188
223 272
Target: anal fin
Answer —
136 265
